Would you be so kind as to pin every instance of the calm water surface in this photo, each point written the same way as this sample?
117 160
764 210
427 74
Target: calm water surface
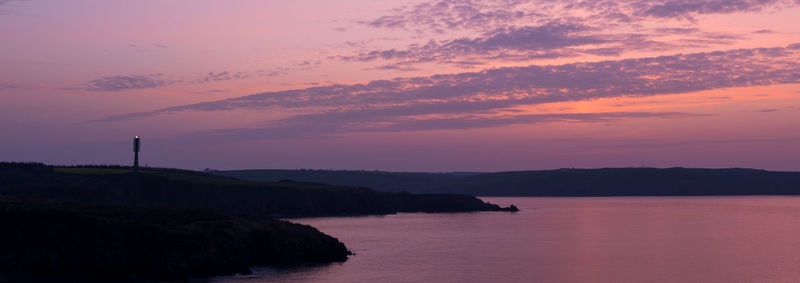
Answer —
611 239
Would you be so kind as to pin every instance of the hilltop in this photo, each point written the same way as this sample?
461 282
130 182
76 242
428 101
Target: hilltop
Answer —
106 222
561 182
113 185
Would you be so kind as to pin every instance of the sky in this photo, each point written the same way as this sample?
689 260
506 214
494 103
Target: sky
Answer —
433 86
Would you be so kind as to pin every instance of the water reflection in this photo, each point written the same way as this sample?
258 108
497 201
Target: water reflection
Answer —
615 239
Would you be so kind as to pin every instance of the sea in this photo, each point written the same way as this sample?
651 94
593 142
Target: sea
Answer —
566 239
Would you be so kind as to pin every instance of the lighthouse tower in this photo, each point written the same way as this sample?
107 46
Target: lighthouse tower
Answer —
136 154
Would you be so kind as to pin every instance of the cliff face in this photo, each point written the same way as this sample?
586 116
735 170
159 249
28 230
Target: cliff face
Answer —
50 240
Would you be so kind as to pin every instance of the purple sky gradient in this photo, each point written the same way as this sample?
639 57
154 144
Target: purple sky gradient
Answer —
448 85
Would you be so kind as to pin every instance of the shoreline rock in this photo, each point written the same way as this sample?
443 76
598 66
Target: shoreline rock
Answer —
43 240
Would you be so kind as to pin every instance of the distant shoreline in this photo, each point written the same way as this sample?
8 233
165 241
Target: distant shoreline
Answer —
640 181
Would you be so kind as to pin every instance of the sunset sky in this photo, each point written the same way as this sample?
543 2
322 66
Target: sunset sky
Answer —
444 85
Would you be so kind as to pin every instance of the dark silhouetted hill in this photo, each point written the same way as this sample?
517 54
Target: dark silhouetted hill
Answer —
46 240
181 188
377 180
562 182
105 222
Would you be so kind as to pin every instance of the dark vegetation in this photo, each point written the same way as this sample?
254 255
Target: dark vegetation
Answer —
45 240
377 180
181 188
562 182
105 222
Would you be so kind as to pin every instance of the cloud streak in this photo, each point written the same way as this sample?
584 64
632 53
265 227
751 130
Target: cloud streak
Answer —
490 14
302 127
221 76
528 42
5 3
135 82
687 8
129 82
7 86
552 40
452 14
485 98
578 81
226 76
510 30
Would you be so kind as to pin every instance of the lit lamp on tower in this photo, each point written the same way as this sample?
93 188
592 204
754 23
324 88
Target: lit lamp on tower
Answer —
136 154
